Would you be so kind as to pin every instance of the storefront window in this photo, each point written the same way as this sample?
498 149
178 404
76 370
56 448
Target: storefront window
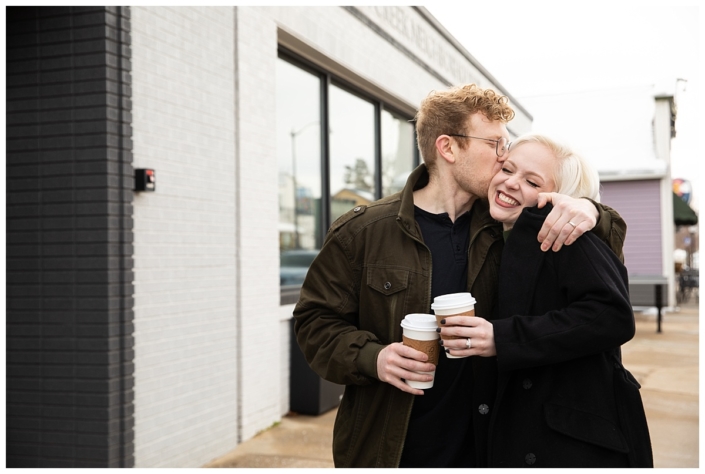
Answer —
299 159
352 152
370 152
398 158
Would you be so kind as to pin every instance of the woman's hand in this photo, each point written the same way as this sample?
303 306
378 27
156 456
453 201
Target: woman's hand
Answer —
569 219
478 330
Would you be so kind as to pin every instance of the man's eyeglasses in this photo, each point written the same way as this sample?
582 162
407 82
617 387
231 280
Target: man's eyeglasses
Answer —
501 146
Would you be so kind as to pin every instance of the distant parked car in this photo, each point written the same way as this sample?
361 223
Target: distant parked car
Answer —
293 265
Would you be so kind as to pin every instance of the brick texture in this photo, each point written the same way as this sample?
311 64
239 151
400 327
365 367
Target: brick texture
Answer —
69 238
259 217
186 334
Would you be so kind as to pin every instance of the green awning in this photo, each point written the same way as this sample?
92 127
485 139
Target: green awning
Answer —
683 214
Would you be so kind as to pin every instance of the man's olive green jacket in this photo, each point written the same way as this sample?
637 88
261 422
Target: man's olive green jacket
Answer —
373 269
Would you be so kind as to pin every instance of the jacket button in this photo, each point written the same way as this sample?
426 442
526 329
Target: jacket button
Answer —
527 384
357 209
530 459
387 286
483 409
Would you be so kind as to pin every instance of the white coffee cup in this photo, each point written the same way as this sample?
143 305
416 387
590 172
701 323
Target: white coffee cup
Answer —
453 304
419 332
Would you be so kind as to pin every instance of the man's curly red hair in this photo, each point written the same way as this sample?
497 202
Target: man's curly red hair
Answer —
445 112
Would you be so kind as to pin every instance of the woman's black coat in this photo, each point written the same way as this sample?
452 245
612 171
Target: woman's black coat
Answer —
563 398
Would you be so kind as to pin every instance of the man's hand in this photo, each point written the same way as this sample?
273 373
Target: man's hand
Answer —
569 219
397 361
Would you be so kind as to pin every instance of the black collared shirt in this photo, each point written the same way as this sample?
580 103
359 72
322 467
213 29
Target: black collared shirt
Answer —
440 429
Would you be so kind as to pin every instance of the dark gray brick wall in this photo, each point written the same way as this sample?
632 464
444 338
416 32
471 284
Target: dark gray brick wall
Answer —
69 397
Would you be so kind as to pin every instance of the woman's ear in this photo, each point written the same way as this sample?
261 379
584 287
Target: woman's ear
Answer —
444 145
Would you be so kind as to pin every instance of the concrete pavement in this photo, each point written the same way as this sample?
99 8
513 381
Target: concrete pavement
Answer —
665 364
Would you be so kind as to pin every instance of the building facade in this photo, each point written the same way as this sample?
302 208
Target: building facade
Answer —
644 199
152 328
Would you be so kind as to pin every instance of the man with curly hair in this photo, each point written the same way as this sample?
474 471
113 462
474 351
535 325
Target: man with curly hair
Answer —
391 258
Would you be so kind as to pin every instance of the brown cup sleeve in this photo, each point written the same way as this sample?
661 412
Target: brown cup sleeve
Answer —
431 348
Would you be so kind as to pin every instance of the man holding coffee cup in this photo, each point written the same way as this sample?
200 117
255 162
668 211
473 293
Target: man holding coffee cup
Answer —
391 258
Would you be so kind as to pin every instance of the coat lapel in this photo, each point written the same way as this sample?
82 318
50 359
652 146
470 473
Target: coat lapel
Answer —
479 247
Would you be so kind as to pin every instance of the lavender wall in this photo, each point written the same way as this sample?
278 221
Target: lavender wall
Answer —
638 202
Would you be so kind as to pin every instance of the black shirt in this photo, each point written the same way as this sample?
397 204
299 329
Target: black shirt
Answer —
440 429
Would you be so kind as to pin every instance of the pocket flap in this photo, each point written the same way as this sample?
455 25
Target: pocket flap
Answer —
585 426
387 280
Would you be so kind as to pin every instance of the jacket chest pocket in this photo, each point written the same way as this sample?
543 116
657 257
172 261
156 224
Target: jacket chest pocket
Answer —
387 280
385 301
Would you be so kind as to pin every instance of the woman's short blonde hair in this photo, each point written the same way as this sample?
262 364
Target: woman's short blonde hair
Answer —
573 175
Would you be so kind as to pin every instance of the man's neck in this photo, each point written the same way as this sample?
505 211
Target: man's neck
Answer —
438 197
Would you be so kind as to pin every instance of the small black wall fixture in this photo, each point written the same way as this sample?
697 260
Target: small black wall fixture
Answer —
145 180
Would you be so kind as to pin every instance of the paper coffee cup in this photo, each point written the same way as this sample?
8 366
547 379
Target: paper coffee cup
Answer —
454 304
419 332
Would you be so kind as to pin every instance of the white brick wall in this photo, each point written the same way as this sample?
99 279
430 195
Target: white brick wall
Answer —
286 313
185 258
259 215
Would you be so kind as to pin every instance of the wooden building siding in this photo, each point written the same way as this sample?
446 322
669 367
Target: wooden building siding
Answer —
638 202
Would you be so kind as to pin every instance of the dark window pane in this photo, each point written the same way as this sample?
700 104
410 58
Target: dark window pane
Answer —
298 134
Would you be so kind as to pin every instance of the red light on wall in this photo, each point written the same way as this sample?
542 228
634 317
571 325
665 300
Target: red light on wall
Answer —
145 180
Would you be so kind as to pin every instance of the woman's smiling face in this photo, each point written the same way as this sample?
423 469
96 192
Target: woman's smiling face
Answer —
527 171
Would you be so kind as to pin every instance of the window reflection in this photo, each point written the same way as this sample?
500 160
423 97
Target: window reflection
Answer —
352 151
397 152
299 157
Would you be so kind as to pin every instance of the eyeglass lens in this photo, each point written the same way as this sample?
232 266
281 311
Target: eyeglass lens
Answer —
501 146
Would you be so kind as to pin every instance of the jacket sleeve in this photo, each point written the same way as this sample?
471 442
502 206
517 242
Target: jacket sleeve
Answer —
610 228
326 319
585 284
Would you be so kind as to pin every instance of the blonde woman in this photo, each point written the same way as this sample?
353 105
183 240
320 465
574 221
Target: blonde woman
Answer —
558 395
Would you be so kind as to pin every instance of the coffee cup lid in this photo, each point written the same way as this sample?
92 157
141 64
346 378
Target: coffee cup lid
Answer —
419 321
452 301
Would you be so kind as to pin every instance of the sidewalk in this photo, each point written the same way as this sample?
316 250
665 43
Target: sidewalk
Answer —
665 364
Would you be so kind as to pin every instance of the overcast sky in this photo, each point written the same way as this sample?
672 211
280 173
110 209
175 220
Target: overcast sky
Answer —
539 48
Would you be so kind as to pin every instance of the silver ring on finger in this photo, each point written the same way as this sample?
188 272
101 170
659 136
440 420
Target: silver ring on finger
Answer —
468 344
574 226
